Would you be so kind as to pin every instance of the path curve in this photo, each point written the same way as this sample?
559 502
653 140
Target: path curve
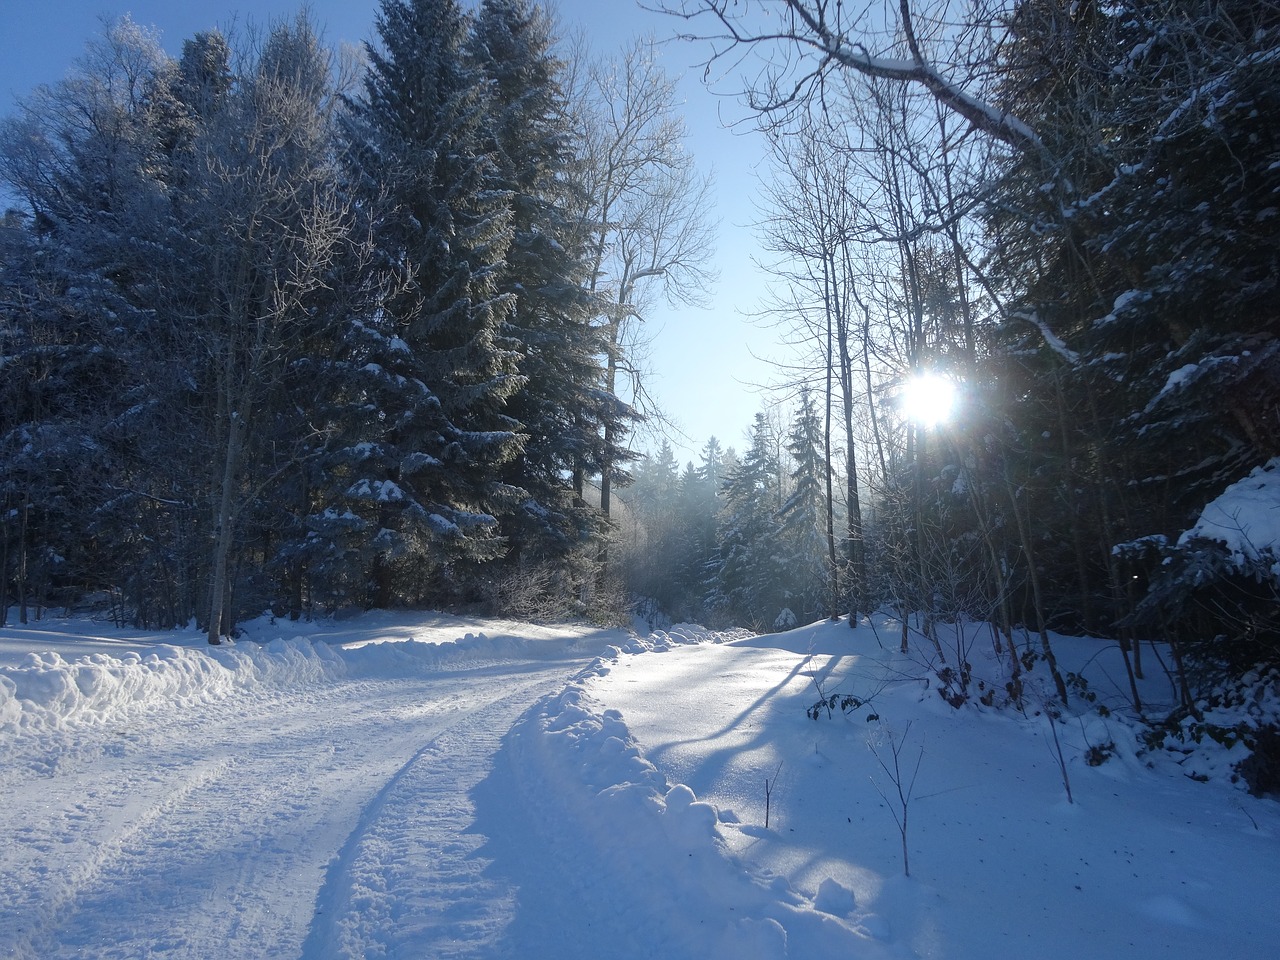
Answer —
345 807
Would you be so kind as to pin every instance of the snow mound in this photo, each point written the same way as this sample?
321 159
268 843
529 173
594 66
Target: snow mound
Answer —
48 692
707 902
1246 519
677 635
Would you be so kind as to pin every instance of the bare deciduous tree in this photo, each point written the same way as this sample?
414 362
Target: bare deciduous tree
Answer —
798 46
649 210
268 222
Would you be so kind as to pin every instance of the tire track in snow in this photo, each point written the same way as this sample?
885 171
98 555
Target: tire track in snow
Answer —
211 835
32 912
412 873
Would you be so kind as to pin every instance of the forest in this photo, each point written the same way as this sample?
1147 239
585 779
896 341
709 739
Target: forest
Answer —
289 329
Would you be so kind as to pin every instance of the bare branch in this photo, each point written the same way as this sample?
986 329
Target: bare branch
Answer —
809 33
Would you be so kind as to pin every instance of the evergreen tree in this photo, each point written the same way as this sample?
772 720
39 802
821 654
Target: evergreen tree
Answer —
802 544
1193 225
649 530
52 412
430 373
701 488
92 162
1144 258
657 479
748 576
558 407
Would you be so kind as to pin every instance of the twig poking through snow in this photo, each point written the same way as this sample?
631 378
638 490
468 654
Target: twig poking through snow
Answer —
768 792
905 787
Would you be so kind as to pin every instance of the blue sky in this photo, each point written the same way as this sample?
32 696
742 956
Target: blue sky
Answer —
702 358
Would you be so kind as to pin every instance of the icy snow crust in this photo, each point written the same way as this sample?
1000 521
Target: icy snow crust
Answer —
428 786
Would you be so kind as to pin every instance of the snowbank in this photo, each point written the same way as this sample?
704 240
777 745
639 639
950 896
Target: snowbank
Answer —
54 690
671 844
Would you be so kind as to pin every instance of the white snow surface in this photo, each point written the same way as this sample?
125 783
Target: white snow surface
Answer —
423 786
1246 519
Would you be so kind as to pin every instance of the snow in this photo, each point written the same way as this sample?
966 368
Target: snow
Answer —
423 785
1185 375
1051 339
1246 519
384 491
1122 303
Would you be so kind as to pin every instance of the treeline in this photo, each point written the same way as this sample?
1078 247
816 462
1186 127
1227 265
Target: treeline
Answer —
291 330
272 338
737 539
1071 212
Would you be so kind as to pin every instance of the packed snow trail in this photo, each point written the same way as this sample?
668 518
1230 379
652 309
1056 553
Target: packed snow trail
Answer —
276 818
387 787
354 794
411 873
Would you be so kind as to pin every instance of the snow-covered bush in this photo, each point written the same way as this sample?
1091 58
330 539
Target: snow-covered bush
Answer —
1235 724
1217 589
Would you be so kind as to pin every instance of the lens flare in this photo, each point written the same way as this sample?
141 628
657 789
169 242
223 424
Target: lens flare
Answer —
929 399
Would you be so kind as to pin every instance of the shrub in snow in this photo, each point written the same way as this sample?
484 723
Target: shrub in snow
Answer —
1233 730
1216 591
1261 769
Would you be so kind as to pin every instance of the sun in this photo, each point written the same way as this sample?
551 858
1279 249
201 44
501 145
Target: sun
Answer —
928 399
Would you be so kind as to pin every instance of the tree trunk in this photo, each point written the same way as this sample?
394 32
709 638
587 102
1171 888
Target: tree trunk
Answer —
833 313
224 524
1024 535
20 581
4 566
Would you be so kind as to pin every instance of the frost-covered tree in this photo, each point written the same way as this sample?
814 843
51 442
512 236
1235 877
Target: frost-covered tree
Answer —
193 209
417 477
647 211
559 407
1141 250
802 531
90 162
265 219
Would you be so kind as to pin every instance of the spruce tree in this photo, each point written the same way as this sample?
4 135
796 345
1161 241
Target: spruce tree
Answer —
558 406
103 197
431 371
1141 251
747 583
802 544
698 506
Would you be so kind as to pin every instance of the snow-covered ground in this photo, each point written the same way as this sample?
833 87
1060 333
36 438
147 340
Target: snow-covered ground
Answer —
423 786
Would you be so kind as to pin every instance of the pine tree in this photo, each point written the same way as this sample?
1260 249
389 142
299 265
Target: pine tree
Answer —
558 406
431 371
802 543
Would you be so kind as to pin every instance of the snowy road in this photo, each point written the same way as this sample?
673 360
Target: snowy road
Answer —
345 811
427 787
